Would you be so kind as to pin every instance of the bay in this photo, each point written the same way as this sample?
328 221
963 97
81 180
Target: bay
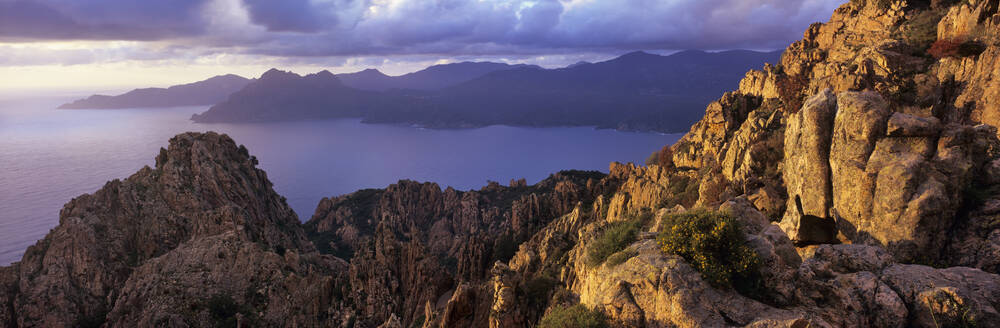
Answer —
49 156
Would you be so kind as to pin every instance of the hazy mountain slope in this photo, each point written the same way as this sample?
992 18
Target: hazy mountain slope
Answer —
431 78
207 92
369 79
280 95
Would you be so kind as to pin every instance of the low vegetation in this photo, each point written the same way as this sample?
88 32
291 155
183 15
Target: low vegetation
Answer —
418 322
576 316
504 247
792 91
715 245
952 312
880 4
663 157
612 239
621 257
538 289
955 48
224 310
683 191
921 31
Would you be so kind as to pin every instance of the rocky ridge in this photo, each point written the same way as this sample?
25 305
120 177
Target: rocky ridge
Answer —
413 244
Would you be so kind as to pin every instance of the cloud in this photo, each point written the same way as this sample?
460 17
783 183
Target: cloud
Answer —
444 28
551 26
289 15
99 19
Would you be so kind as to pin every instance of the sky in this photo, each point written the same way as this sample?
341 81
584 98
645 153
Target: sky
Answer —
117 44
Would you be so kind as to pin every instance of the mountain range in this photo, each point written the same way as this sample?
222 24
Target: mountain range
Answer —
431 78
207 92
636 91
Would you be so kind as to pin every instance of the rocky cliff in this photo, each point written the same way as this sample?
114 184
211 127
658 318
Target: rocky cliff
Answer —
867 126
202 239
413 246
854 184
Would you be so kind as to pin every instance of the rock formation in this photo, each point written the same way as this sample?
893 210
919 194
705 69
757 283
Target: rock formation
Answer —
887 141
198 240
413 244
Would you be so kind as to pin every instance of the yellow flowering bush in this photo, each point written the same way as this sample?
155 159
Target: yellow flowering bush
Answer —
714 244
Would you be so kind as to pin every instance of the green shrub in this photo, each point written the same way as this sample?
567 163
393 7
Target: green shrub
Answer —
418 322
615 237
537 290
920 32
449 263
715 245
683 191
621 257
223 309
576 316
881 4
971 48
505 247
93 320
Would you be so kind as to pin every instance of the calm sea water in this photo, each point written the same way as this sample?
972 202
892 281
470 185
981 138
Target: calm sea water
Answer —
49 156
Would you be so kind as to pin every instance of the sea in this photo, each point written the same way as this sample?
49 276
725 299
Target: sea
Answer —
49 156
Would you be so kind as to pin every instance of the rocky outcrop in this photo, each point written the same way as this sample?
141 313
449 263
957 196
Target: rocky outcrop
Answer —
892 179
860 122
412 244
824 286
807 169
204 230
887 144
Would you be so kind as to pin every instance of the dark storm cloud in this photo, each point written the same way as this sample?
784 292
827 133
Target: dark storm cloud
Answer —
289 15
411 27
99 19
553 26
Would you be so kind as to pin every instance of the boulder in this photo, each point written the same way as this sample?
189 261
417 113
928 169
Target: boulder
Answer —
807 169
906 125
952 297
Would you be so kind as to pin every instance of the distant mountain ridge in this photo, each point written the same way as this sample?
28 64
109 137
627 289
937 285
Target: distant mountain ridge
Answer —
636 91
289 96
431 78
206 92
